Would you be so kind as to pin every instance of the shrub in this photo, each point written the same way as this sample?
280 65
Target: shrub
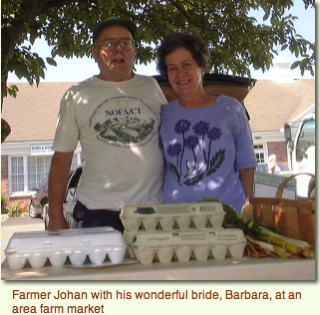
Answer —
4 202
14 209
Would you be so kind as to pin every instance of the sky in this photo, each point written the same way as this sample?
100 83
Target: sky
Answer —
75 70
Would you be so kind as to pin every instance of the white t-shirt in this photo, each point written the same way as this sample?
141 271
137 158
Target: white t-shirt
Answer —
117 124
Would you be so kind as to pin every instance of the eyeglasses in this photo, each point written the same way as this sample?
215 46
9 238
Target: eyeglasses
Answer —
111 44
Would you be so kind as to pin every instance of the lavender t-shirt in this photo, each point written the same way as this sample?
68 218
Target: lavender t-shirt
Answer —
204 150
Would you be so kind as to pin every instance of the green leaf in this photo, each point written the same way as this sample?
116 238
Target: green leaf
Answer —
13 90
51 61
295 65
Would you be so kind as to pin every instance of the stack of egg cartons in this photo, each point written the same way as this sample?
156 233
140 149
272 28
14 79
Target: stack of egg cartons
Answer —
98 244
180 232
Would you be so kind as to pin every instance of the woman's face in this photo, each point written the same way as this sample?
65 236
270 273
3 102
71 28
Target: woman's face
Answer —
184 73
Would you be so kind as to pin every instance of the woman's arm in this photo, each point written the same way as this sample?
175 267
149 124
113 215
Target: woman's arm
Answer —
246 176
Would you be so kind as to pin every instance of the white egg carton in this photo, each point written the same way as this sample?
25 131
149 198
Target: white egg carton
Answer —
167 246
172 216
97 244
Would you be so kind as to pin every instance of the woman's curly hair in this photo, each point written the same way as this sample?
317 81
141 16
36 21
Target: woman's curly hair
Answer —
194 43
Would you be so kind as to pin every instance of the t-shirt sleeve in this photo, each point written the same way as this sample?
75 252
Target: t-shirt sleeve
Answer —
67 133
159 93
245 156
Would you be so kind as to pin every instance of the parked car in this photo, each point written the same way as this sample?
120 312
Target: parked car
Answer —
39 200
70 197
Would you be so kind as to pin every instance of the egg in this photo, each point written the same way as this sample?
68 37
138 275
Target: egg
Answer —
97 257
16 262
37 260
77 258
58 259
116 255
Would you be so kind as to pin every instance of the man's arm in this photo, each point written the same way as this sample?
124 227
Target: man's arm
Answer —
58 181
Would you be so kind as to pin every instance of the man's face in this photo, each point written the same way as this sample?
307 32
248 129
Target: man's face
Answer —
113 53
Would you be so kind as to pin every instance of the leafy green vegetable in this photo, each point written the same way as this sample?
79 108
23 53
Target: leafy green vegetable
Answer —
231 217
233 220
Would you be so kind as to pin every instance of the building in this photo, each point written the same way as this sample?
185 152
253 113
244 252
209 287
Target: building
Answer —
275 101
26 153
271 104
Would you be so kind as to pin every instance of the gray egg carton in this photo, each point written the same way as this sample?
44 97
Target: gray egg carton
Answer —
172 216
182 246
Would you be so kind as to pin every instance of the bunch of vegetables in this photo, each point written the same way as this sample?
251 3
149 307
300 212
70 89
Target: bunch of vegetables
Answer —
264 241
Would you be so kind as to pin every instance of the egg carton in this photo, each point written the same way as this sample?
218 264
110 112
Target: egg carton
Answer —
183 246
172 216
98 244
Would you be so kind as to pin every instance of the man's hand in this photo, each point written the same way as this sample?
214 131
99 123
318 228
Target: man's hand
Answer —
57 222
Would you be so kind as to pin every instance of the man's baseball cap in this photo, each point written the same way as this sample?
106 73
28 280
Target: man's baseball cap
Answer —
114 21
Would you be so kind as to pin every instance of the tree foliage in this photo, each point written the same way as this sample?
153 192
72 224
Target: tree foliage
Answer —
237 40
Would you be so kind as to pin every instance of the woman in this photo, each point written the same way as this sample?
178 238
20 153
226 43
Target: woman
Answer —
206 137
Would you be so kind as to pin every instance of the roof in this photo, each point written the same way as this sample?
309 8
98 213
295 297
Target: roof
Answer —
33 114
272 103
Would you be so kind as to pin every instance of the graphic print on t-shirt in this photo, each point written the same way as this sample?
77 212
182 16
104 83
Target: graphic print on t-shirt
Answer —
192 152
124 121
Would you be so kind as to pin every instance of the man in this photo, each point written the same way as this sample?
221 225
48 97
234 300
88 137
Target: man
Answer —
115 116
272 167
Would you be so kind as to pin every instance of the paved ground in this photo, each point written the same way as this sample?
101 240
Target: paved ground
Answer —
20 224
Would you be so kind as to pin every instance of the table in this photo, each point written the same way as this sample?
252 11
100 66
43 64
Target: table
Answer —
244 268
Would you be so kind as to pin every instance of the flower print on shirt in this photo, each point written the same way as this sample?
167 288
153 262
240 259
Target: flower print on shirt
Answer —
193 152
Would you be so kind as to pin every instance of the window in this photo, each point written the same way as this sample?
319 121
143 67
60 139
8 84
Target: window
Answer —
38 169
27 172
17 174
261 153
